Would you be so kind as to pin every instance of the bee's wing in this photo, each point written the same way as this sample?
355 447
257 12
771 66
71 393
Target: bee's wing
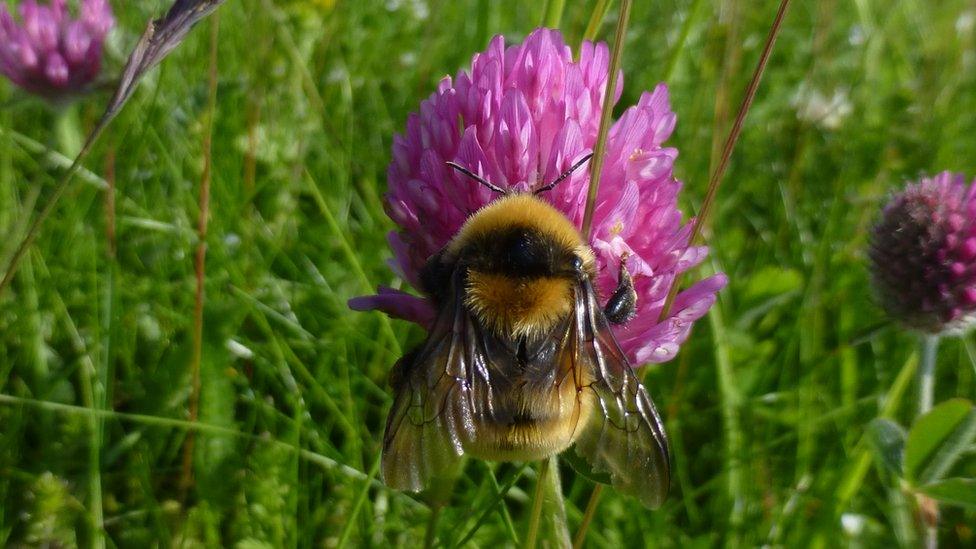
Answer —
436 388
624 435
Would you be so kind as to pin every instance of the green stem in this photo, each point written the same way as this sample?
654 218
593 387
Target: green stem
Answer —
971 352
66 126
500 493
503 511
435 514
438 496
588 516
596 18
596 163
101 387
548 493
928 507
536 512
926 373
554 13
358 505
90 399
731 401
556 528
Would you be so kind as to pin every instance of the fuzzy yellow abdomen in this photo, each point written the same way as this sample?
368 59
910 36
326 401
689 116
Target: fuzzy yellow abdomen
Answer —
551 420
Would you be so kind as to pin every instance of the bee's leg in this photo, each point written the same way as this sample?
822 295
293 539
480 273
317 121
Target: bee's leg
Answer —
622 305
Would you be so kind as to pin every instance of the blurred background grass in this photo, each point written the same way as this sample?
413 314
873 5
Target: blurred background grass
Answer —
766 405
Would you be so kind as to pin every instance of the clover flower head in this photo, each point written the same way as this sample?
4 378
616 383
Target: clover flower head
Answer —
923 255
520 117
49 53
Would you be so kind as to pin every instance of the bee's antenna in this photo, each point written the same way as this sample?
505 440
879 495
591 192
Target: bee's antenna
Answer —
563 175
477 178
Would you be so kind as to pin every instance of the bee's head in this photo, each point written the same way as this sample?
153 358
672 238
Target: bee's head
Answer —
521 258
531 252
521 251
521 236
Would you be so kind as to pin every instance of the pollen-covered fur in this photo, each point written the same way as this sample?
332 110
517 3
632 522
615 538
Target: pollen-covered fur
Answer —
516 305
557 420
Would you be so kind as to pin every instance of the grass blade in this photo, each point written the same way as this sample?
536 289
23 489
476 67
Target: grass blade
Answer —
606 118
730 142
200 258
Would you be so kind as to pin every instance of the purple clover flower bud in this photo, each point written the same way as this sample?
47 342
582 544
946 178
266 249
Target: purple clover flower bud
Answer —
50 54
923 255
522 115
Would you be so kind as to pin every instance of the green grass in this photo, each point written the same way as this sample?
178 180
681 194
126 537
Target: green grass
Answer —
766 405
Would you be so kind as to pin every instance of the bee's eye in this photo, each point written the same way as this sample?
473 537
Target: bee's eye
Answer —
576 263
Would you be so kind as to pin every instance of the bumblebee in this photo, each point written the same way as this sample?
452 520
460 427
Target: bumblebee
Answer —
520 363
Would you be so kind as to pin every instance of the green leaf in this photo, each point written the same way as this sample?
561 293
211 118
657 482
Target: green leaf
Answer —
583 467
937 439
954 491
888 441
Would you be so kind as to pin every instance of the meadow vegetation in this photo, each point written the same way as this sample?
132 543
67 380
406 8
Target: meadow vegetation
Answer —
767 405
